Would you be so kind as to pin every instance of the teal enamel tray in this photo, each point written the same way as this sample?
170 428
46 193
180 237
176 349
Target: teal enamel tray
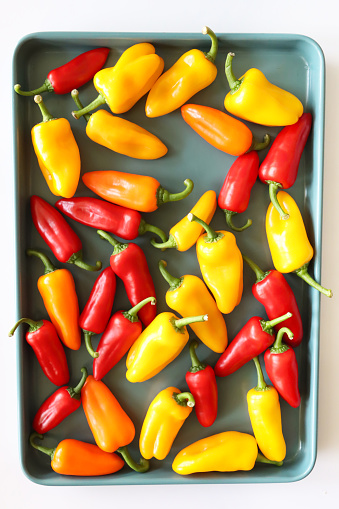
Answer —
293 62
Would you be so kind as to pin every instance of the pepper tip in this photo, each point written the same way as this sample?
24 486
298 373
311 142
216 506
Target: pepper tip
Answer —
74 93
38 99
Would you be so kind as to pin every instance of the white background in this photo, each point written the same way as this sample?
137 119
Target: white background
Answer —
318 20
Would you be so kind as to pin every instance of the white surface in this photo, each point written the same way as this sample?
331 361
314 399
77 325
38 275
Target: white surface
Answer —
318 20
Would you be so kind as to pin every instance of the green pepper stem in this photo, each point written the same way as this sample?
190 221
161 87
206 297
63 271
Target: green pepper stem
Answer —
164 196
132 314
33 325
303 273
260 145
212 235
46 116
278 345
184 399
46 87
78 103
182 322
259 274
267 325
262 459
99 101
229 215
141 467
118 246
146 227
76 259
74 392
169 243
212 54
46 450
88 342
196 364
261 385
234 84
174 282
49 267
273 188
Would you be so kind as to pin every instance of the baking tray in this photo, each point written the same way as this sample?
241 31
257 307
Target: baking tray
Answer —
293 62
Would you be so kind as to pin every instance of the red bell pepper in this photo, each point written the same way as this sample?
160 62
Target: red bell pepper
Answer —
98 308
58 235
73 74
203 386
121 332
43 338
235 193
103 215
128 262
282 369
252 340
273 291
280 167
58 406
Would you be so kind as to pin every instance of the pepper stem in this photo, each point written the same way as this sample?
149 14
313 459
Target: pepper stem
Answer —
88 342
74 392
132 314
174 282
268 325
46 87
212 235
118 246
229 214
169 243
262 459
141 467
261 385
99 101
78 103
184 399
76 259
46 450
234 84
273 188
259 274
33 325
196 364
146 227
164 196
182 322
260 145
212 54
46 116
278 345
303 273
49 267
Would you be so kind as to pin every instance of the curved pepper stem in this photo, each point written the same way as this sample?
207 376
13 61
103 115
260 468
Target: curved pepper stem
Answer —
212 235
88 342
303 273
196 364
184 399
273 188
99 101
46 450
278 345
141 467
132 314
46 87
118 246
169 243
260 145
76 259
33 325
46 116
262 459
229 215
146 227
164 196
234 84
212 54
174 282
49 267
74 392
267 325
180 323
261 385
259 274
78 103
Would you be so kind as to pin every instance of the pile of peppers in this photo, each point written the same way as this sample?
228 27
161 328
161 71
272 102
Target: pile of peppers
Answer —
115 204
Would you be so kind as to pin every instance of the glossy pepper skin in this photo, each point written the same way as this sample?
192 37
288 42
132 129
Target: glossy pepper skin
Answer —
221 266
184 234
59 405
164 418
121 86
220 130
137 192
57 289
123 329
290 248
192 72
58 234
74 457
282 369
72 74
203 386
128 262
272 290
57 152
254 98
189 296
43 338
98 308
265 415
157 346
236 190
280 167
252 340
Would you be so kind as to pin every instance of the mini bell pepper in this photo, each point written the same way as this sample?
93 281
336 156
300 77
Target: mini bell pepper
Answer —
57 152
203 386
184 234
192 72
221 265
280 167
100 214
164 418
43 338
254 98
138 192
220 130
121 86
229 451
273 291
58 235
290 248
121 135
128 262
236 190
265 415
158 345
282 369
189 296
72 74
98 308
57 289
123 329
252 340
59 405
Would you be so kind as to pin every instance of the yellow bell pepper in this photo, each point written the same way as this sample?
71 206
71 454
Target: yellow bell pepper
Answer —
221 265
164 418
290 247
254 98
192 72
158 345
189 296
121 86
184 234
57 152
